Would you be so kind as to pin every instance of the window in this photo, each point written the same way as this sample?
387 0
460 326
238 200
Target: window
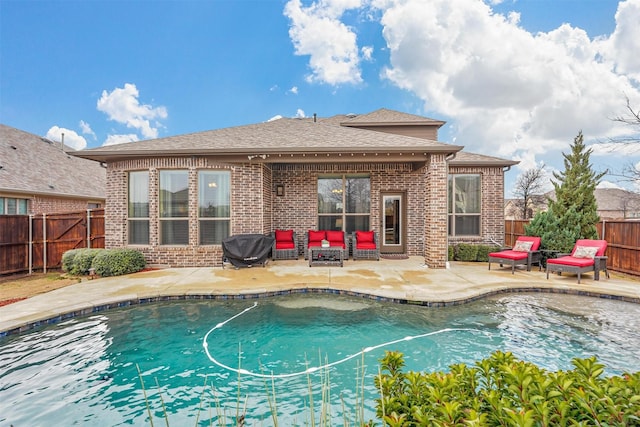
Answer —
464 205
344 202
174 207
214 206
138 210
12 206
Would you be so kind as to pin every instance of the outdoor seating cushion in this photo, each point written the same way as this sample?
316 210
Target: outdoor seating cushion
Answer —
365 240
590 243
284 239
572 261
316 237
336 238
510 254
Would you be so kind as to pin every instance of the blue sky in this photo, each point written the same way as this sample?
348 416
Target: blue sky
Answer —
516 79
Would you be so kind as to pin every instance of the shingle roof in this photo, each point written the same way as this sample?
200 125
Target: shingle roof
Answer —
281 136
464 158
34 165
387 117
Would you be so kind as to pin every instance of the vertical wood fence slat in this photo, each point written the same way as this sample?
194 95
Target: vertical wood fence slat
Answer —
30 243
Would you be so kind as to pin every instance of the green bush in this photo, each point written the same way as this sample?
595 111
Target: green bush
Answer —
67 260
504 391
451 253
466 252
115 262
484 251
78 261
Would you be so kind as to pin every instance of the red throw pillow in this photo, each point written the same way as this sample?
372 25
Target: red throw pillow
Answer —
316 236
365 237
284 235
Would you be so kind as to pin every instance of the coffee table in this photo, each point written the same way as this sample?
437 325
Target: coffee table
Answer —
333 255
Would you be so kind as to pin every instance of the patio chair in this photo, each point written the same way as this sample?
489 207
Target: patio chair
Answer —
365 245
524 252
587 256
285 245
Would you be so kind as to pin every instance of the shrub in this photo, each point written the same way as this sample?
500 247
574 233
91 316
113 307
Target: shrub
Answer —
67 260
504 391
451 253
466 252
484 251
115 262
78 261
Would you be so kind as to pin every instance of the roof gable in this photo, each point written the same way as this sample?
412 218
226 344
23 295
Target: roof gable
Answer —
386 117
35 165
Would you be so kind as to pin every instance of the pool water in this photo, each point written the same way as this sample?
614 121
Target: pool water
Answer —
85 371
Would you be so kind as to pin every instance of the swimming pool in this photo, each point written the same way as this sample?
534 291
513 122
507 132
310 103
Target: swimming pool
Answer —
85 371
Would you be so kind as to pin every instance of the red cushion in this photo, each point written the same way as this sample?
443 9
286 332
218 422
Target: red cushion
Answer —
315 243
285 245
365 237
284 236
335 237
316 236
365 245
513 255
569 260
601 244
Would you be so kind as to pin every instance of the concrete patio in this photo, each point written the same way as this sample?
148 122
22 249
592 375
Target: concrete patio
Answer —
401 280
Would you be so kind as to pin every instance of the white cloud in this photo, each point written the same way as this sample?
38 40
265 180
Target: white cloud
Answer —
86 129
122 105
120 139
300 114
510 92
317 31
367 53
294 90
276 117
71 138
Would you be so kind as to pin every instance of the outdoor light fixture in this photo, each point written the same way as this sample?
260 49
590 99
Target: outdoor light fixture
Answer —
279 190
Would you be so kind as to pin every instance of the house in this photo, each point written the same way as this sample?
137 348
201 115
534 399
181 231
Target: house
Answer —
176 198
40 176
612 204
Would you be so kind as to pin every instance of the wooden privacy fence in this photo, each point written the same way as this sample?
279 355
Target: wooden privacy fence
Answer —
37 242
623 242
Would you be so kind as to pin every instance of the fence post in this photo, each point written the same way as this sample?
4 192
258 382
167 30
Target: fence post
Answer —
604 223
44 243
88 228
30 244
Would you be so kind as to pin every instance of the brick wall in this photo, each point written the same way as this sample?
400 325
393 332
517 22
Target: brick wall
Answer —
492 215
39 205
256 209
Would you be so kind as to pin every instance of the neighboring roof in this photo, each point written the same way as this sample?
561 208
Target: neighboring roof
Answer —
617 199
385 117
464 158
30 164
270 141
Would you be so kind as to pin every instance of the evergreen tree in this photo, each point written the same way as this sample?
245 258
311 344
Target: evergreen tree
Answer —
573 214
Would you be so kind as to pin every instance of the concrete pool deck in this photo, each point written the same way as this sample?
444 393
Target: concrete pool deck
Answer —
400 280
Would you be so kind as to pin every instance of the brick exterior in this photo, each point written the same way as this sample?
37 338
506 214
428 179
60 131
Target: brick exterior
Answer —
492 214
255 208
39 205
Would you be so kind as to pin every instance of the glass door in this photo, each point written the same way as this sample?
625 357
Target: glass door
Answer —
393 223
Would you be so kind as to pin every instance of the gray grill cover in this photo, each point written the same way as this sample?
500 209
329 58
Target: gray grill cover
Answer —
245 250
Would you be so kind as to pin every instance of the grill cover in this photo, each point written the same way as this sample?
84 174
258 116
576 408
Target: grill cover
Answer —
245 250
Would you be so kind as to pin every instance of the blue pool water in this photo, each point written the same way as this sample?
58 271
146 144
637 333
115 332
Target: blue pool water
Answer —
85 371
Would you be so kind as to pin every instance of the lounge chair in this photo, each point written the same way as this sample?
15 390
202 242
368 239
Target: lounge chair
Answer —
524 252
587 256
365 245
285 245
